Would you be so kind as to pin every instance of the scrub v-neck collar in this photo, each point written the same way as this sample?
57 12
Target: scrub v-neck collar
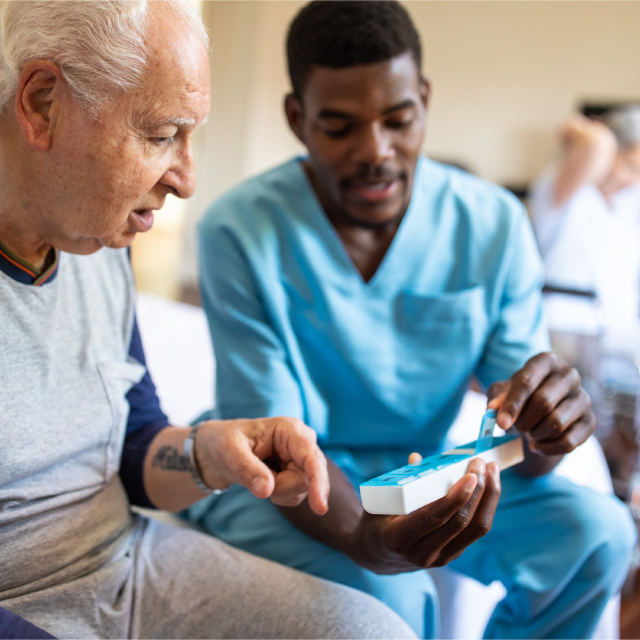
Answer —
335 245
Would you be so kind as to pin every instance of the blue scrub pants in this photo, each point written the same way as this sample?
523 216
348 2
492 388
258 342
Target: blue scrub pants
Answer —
560 550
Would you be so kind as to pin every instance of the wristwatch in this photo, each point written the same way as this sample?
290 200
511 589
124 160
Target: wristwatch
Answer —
189 451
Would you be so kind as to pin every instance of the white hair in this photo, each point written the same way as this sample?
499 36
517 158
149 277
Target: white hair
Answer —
625 124
99 45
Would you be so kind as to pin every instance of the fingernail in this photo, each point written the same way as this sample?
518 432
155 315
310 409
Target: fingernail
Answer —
504 420
470 483
259 483
477 466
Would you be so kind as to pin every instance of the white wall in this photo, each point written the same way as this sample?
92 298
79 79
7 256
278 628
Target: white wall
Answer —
504 74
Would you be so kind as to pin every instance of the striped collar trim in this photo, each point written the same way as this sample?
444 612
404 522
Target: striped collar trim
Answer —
21 271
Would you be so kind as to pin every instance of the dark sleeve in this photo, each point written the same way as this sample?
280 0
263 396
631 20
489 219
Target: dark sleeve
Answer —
146 419
13 626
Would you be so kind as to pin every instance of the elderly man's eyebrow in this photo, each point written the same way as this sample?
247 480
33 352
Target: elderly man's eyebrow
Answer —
341 115
174 120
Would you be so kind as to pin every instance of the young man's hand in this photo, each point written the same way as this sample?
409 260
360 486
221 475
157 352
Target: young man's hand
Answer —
544 401
433 535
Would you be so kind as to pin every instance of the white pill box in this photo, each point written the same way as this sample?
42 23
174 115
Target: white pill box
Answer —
411 487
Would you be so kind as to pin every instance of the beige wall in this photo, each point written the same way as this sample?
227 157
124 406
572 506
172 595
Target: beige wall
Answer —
504 75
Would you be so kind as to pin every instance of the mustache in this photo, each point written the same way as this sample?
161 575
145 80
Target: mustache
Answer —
373 174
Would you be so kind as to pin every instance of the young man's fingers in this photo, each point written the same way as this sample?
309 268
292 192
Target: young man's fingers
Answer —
572 437
405 532
428 550
568 411
523 385
482 520
557 386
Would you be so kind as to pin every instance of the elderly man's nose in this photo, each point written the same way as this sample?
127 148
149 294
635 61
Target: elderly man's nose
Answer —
374 146
181 176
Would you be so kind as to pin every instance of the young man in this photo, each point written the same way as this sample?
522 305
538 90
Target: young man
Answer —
99 101
359 289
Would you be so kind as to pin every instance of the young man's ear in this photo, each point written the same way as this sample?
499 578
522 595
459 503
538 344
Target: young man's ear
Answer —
295 115
37 102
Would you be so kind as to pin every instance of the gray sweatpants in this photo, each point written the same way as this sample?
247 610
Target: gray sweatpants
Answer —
166 582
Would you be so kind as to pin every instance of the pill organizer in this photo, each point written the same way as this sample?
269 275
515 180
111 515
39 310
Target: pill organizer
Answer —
406 489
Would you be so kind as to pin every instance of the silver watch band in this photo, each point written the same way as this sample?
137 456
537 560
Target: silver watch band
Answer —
189 451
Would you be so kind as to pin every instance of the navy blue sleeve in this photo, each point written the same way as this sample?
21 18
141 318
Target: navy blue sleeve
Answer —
13 626
146 419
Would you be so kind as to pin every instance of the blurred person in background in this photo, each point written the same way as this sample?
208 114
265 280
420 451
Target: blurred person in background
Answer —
585 210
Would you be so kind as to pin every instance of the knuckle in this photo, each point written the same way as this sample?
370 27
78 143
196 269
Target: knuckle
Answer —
566 445
554 360
525 380
544 403
585 398
574 376
484 526
460 520
555 424
434 521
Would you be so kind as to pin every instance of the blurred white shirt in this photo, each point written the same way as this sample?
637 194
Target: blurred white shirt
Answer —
593 245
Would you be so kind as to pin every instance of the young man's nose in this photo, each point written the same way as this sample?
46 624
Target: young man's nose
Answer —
373 147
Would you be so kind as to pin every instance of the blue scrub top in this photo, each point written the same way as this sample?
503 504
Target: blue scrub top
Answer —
377 368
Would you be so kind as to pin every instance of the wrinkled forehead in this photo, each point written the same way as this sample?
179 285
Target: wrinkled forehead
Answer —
176 83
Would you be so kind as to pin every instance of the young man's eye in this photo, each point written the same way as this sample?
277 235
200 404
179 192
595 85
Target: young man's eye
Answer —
400 124
338 133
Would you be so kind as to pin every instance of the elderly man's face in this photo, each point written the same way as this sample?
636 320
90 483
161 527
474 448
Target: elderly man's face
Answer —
363 127
113 172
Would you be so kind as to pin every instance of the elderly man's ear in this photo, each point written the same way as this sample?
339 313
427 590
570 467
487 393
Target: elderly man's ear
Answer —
38 102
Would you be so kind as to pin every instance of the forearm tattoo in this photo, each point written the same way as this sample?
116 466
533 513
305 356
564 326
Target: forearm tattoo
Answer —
168 458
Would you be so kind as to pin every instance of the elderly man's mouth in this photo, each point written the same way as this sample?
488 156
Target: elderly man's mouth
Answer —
143 219
375 191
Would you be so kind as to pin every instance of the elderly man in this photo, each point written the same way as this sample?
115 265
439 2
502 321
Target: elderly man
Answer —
359 288
99 101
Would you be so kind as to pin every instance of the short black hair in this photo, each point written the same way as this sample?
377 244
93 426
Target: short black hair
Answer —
346 33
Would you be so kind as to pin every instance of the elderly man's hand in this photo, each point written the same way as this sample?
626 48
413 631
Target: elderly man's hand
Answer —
275 458
544 401
433 535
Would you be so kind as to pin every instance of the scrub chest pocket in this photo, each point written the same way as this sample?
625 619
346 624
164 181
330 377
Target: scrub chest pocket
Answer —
440 339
